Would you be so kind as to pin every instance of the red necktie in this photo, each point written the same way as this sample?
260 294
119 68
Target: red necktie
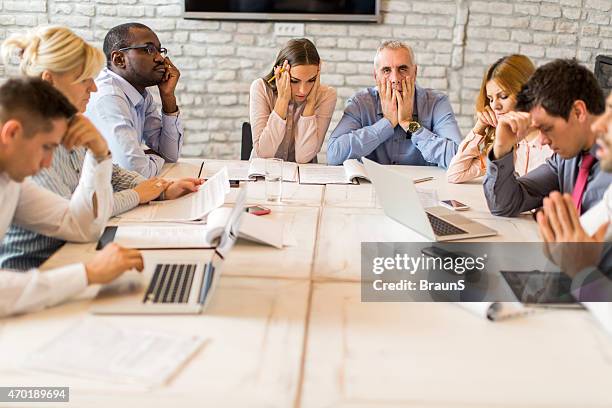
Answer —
583 174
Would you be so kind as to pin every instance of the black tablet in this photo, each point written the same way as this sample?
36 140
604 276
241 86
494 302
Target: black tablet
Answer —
541 288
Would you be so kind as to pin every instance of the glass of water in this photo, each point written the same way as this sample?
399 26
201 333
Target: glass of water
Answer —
274 179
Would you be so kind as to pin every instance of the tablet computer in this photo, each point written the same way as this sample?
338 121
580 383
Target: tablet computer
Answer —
539 288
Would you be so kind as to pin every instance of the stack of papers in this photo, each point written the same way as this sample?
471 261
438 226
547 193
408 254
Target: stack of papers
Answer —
192 207
96 349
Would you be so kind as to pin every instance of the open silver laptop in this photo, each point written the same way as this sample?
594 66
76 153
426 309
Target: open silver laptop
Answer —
400 201
183 285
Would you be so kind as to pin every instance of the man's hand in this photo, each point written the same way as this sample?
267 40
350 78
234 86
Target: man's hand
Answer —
168 86
81 132
111 262
150 189
388 102
567 244
405 103
511 129
182 187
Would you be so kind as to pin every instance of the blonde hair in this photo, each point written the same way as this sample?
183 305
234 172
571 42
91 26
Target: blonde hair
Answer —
53 48
510 73
394 45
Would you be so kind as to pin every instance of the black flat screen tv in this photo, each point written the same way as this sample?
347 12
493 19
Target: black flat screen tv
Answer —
284 10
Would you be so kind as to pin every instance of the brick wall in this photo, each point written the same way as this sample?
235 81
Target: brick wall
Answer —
454 41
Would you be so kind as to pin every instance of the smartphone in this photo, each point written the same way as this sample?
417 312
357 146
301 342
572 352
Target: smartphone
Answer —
257 210
454 205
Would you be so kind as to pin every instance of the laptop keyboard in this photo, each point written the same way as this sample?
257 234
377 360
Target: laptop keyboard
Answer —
443 228
171 283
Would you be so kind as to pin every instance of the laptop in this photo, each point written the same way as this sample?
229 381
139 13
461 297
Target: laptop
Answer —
182 284
400 202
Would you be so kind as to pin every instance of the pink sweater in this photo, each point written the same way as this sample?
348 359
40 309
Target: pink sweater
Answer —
298 138
470 163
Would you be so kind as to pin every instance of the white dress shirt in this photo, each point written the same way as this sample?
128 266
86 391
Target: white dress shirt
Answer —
591 221
38 209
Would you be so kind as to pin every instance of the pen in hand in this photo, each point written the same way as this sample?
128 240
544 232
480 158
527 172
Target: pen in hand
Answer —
274 77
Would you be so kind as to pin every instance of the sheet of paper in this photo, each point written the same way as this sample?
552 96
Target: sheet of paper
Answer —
355 169
428 197
194 206
236 169
262 229
318 174
96 349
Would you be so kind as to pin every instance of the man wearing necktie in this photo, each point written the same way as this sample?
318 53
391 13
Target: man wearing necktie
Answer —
561 100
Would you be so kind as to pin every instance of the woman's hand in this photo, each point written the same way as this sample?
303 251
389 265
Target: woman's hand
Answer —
150 189
283 81
283 89
313 96
486 118
182 187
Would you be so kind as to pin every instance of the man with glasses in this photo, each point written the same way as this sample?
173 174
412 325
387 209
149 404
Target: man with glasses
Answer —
123 109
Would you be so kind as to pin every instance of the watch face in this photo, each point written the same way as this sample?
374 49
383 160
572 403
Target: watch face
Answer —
413 126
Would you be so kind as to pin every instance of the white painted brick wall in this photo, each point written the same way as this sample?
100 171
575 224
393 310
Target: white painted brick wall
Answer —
454 41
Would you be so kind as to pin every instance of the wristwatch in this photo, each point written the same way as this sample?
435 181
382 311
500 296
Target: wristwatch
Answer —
413 126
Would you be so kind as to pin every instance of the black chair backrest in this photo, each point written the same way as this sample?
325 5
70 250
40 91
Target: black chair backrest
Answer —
247 142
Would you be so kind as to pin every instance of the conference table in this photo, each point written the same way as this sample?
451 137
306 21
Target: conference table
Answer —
287 327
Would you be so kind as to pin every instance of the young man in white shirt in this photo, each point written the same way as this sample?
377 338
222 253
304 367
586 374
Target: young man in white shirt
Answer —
576 244
34 119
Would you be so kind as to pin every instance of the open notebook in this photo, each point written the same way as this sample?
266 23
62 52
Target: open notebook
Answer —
247 171
349 173
180 236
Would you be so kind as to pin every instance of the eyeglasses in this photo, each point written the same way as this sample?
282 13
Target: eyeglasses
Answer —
149 48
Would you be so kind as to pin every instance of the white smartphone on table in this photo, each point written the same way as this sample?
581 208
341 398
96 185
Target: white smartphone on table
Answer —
454 205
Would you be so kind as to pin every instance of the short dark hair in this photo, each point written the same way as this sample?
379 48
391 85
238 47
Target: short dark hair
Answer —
119 37
34 103
557 85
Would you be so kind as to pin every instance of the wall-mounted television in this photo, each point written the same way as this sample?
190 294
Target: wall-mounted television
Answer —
284 10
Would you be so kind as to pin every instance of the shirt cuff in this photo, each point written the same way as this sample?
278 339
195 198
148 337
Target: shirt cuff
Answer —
503 165
125 200
65 282
383 129
591 285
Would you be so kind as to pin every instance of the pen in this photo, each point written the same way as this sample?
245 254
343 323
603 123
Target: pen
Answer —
274 77
421 180
201 168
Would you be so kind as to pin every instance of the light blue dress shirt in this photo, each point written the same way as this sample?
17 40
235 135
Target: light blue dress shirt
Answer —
363 131
128 120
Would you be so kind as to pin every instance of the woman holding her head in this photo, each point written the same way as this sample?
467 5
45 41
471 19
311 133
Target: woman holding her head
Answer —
70 64
290 110
500 85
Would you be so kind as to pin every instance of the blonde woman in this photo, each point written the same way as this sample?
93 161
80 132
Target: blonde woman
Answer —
500 85
70 64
